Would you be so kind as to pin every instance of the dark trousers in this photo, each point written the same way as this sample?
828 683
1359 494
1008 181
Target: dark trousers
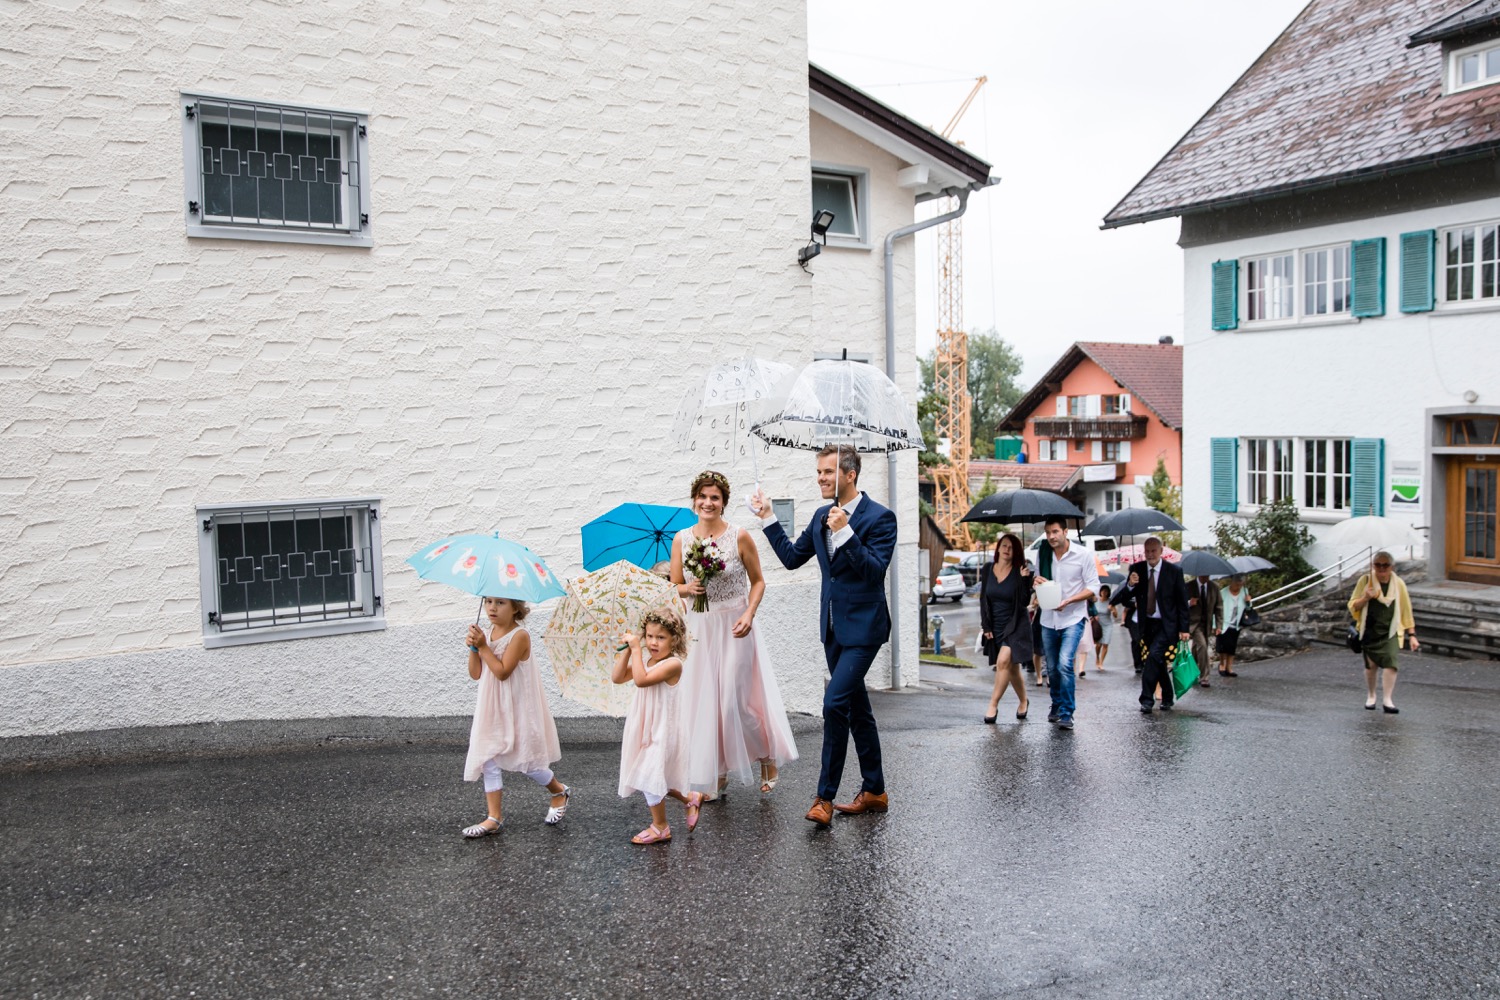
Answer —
1154 667
1135 643
846 709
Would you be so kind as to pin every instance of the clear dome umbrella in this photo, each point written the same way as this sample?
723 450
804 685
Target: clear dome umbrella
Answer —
714 419
843 403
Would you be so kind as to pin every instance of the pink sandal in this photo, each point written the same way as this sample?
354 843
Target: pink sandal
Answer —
651 835
694 807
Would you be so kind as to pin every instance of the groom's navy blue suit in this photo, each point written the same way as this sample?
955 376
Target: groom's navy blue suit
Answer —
854 623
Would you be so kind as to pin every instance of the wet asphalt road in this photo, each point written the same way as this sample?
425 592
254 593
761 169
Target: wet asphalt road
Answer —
1269 839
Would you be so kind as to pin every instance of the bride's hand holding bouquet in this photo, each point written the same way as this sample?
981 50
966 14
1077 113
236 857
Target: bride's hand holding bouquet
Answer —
702 562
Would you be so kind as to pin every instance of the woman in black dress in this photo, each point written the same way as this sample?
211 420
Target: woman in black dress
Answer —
1004 597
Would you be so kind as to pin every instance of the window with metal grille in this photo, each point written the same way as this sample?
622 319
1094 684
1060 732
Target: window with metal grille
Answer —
289 569
256 170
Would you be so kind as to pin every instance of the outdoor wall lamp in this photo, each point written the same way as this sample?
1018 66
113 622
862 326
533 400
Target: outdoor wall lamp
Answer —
822 219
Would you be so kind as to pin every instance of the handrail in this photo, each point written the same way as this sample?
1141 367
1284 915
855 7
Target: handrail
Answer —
1334 570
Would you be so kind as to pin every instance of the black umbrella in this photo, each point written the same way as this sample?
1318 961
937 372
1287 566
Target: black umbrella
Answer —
1132 521
1021 506
1201 563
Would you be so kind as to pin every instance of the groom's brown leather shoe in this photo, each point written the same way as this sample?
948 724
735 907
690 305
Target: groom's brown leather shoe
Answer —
821 812
865 802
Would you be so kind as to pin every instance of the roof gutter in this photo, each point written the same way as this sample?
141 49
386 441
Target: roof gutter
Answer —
892 483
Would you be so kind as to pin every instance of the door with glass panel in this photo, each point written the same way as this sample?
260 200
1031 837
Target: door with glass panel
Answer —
1473 488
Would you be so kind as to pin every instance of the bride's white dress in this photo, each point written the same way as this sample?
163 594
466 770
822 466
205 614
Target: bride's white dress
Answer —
735 714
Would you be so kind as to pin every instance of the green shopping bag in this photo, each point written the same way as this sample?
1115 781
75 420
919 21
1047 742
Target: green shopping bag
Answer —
1184 670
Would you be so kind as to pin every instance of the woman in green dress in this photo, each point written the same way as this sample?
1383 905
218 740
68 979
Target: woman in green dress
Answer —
1382 611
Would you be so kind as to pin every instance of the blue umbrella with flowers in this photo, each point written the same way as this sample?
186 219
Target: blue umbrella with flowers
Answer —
487 566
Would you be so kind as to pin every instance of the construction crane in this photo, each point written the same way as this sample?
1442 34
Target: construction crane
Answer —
951 368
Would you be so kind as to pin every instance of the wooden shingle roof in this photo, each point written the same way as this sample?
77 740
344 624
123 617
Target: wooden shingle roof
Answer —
1339 96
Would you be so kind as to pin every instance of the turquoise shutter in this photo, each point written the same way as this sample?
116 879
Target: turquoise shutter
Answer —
1224 462
1226 297
1367 277
1418 258
1367 468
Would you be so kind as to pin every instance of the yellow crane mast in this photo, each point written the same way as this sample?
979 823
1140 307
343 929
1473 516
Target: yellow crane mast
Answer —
951 498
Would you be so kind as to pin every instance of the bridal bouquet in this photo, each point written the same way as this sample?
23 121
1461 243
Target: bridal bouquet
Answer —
702 561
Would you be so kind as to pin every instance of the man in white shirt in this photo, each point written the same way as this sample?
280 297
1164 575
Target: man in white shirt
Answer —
1074 569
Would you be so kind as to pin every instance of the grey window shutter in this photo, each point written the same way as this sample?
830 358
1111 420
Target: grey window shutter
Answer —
1367 469
1367 274
1226 294
1224 461
1418 259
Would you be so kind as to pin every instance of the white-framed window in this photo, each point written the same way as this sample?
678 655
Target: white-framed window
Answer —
1109 451
1327 473
1269 469
1115 405
1303 284
289 569
1470 257
1051 451
260 170
1114 500
844 191
1474 66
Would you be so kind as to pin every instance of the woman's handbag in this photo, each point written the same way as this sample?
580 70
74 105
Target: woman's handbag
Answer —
1097 629
1250 618
1351 639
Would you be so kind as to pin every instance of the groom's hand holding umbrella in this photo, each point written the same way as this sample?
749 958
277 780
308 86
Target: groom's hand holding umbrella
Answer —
838 517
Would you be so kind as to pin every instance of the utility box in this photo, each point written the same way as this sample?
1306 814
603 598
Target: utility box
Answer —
1007 448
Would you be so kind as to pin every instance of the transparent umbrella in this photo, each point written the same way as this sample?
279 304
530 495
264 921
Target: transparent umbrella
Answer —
714 419
843 403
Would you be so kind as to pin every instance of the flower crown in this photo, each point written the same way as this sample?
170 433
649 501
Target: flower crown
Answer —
665 619
711 478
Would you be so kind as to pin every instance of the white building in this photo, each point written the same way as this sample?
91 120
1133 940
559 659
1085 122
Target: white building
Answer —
1339 210
441 267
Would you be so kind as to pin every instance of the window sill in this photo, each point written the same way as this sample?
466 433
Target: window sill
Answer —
1459 308
849 243
311 630
325 238
1311 515
1294 324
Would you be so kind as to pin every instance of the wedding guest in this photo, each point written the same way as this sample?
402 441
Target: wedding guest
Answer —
737 721
1206 616
1004 597
653 752
1236 601
1382 610
513 728
1105 616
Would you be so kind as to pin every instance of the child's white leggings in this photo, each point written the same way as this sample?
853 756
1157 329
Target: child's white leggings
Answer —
493 783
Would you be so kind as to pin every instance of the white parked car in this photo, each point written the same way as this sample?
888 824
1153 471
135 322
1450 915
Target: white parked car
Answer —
949 584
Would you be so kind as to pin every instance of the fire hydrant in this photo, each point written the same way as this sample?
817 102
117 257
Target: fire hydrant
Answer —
937 635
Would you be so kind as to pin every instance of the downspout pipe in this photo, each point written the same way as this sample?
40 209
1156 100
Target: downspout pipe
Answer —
892 485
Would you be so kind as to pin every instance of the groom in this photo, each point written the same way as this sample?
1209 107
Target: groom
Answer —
853 538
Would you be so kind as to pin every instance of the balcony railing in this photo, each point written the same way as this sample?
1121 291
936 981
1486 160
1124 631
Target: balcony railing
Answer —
1125 427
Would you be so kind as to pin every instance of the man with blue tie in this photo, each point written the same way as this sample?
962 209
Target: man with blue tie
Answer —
853 538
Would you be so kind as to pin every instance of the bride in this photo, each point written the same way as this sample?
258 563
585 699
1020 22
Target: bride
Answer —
733 703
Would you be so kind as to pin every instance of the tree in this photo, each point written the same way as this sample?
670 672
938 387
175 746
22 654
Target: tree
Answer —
1162 495
1275 533
984 534
994 367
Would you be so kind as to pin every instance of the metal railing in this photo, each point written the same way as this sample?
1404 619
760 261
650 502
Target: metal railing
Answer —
1333 572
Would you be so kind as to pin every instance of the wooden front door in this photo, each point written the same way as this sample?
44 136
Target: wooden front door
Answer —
1473 488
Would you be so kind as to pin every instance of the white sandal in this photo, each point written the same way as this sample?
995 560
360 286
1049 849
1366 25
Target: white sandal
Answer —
480 830
768 784
556 813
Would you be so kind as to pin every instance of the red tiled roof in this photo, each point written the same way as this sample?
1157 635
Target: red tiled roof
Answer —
1055 476
1337 97
1152 373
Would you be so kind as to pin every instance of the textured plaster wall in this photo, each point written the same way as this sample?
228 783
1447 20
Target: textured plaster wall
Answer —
571 211
1368 378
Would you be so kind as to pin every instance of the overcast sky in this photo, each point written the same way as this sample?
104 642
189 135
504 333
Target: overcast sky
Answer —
1082 99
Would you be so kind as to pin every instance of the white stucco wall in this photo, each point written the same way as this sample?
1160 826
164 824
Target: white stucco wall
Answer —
1355 378
573 213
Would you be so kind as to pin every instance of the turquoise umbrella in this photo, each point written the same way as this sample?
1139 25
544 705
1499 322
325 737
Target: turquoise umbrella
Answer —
639 533
487 566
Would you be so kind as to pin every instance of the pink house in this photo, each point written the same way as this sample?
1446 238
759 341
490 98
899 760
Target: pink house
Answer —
1095 425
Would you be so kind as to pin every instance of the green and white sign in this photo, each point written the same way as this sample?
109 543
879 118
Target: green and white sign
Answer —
1406 484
